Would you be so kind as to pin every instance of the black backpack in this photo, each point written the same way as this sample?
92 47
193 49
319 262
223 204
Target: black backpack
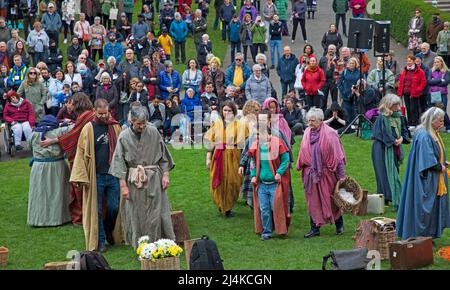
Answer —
205 255
93 261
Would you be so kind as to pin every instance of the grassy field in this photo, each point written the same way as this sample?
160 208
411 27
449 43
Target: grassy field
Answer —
240 248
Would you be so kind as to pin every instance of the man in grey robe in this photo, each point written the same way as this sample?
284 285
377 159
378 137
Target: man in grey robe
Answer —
142 163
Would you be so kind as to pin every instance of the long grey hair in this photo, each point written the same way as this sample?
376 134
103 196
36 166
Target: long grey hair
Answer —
428 117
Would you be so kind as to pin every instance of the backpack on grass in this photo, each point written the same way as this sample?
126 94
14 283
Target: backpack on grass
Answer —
90 260
205 255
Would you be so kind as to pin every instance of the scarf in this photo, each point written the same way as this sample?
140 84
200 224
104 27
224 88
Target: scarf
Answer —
48 123
316 156
18 104
111 134
396 122
411 67
442 188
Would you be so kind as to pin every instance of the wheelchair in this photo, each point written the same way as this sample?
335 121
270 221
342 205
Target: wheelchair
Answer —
8 139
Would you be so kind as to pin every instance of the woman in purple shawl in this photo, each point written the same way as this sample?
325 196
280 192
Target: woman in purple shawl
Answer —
322 162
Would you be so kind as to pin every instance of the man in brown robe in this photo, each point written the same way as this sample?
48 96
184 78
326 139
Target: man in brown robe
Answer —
95 148
142 163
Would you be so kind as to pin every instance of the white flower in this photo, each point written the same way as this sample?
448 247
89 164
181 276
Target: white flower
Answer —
165 243
143 239
146 252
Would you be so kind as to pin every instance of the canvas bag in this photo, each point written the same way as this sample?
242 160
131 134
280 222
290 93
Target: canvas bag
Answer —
355 259
113 12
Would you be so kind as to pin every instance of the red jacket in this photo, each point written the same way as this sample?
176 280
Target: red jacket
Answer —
22 114
419 83
361 9
313 80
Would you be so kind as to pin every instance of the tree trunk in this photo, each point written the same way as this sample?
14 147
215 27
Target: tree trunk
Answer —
180 227
366 235
361 209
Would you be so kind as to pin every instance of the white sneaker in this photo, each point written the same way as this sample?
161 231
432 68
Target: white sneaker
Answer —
353 127
412 127
292 41
65 41
306 41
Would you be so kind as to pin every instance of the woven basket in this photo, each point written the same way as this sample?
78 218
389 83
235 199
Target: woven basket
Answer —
170 263
3 256
350 185
385 236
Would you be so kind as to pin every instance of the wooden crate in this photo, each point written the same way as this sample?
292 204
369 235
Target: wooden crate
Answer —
64 265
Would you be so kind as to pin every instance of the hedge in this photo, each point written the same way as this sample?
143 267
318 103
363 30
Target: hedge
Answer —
399 12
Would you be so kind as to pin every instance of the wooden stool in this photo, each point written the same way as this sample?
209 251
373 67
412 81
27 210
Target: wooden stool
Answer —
180 227
361 209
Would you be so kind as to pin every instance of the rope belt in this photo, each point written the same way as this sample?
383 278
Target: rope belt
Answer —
45 160
137 175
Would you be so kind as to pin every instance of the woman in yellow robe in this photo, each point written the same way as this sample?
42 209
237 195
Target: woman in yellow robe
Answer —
224 152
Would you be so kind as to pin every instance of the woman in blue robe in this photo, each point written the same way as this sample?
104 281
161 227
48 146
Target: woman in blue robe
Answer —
424 206
389 133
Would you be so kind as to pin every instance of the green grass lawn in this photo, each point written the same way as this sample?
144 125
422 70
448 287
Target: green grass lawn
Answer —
240 248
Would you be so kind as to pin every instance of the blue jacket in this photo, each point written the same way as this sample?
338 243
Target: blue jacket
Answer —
115 50
164 83
235 27
346 81
17 76
286 68
178 31
229 76
51 22
188 106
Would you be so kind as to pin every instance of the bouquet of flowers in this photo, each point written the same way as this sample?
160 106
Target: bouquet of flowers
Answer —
162 248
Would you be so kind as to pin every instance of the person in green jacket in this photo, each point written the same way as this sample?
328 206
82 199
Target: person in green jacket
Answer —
340 7
106 5
259 37
128 9
282 6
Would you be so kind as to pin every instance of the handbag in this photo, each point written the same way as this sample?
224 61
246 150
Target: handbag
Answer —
31 50
113 12
435 97
443 48
355 259
86 36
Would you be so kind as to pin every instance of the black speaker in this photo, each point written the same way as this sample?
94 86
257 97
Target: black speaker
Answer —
382 36
360 33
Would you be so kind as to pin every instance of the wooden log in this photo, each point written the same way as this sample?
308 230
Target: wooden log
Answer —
180 227
366 235
361 209
187 249
64 265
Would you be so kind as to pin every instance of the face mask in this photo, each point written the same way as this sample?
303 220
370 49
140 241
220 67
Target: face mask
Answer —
83 72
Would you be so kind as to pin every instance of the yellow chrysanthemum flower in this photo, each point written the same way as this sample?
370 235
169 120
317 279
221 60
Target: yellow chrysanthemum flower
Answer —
139 250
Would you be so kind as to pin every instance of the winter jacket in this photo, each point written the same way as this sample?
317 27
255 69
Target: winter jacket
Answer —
329 73
258 90
340 6
54 59
111 95
56 87
203 49
143 98
218 81
139 30
439 81
361 9
38 40
275 29
259 33
244 10
235 27
162 110
17 76
419 82
282 6
286 68
28 10
51 22
74 52
331 38
433 30
348 79
200 28
428 59
188 106
76 77
444 39
313 80
164 83
299 10
23 113
376 75
36 94
207 102
107 5
293 117
131 69
194 83
226 12
115 50
229 76
128 6
269 12
244 32
179 31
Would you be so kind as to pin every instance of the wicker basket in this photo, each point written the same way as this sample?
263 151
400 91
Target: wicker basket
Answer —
170 263
386 235
3 256
350 185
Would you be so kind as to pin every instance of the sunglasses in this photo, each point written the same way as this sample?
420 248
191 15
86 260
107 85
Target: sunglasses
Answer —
238 59
32 73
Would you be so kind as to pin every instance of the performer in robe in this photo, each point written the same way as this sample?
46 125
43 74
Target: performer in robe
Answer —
389 133
48 196
83 108
271 180
322 162
223 157
90 174
142 163
424 206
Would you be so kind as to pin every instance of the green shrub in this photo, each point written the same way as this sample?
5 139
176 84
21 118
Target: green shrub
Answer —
399 12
